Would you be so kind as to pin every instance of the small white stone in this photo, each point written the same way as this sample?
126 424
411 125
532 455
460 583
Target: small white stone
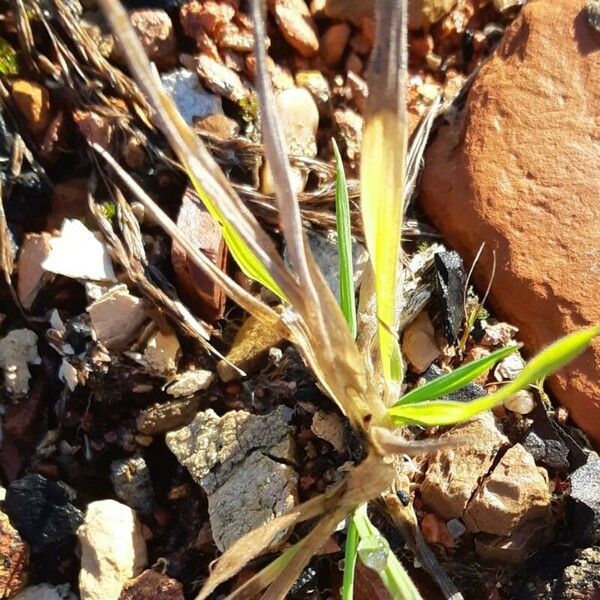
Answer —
508 368
78 253
191 99
190 382
456 528
112 550
522 402
18 349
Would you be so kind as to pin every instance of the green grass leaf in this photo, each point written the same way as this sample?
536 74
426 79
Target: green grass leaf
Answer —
457 379
374 551
344 243
440 412
9 65
350 556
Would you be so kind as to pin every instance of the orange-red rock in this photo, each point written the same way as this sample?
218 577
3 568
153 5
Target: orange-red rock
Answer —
297 26
520 170
14 553
202 295
33 101
333 43
155 30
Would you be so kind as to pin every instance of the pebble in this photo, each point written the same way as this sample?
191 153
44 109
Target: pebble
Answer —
451 280
418 343
222 127
18 349
131 480
160 418
593 14
249 350
191 99
41 510
435 531
516 491
117 317
299 118
220 79
509 368
162 354
152 585
468 392
242 461
33 102
454 474
350 126
296 24
15 559
318 86
585 483
329 427
189 383
35 249
521 403
154 28
112 550
333 44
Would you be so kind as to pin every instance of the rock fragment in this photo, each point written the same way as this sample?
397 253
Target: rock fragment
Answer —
516 491
350 126
18 349
580 579
299 117
453 475
585 515
78 253
35 249
189 383
154 28
451 280
191 99
152 585
160 418
33 102
333 43
250 347
495 186
14 553
220 79
243 463
117 317
41 510
112 550
295 23
318 86
162 353
205 297
418 343
131 480
593 14
521 403
329 427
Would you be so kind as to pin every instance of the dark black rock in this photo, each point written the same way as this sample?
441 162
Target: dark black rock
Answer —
584 513
451 279
78 334
471 391
41 510
544 442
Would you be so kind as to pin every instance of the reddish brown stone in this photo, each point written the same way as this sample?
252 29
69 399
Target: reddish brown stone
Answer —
294 20
333 43
205 297
14 559
155 30
520 172
151 585
33 101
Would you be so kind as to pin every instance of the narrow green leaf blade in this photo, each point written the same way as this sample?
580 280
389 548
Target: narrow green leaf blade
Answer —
457 379
392 574
243 256
350 556
439 412
344 242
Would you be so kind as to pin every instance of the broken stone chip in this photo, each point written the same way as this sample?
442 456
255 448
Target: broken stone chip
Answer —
454 474
78 253
161 354
451 281
516 491
116 317
329 427
418 343
243 462
35 249
18 349
189 382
